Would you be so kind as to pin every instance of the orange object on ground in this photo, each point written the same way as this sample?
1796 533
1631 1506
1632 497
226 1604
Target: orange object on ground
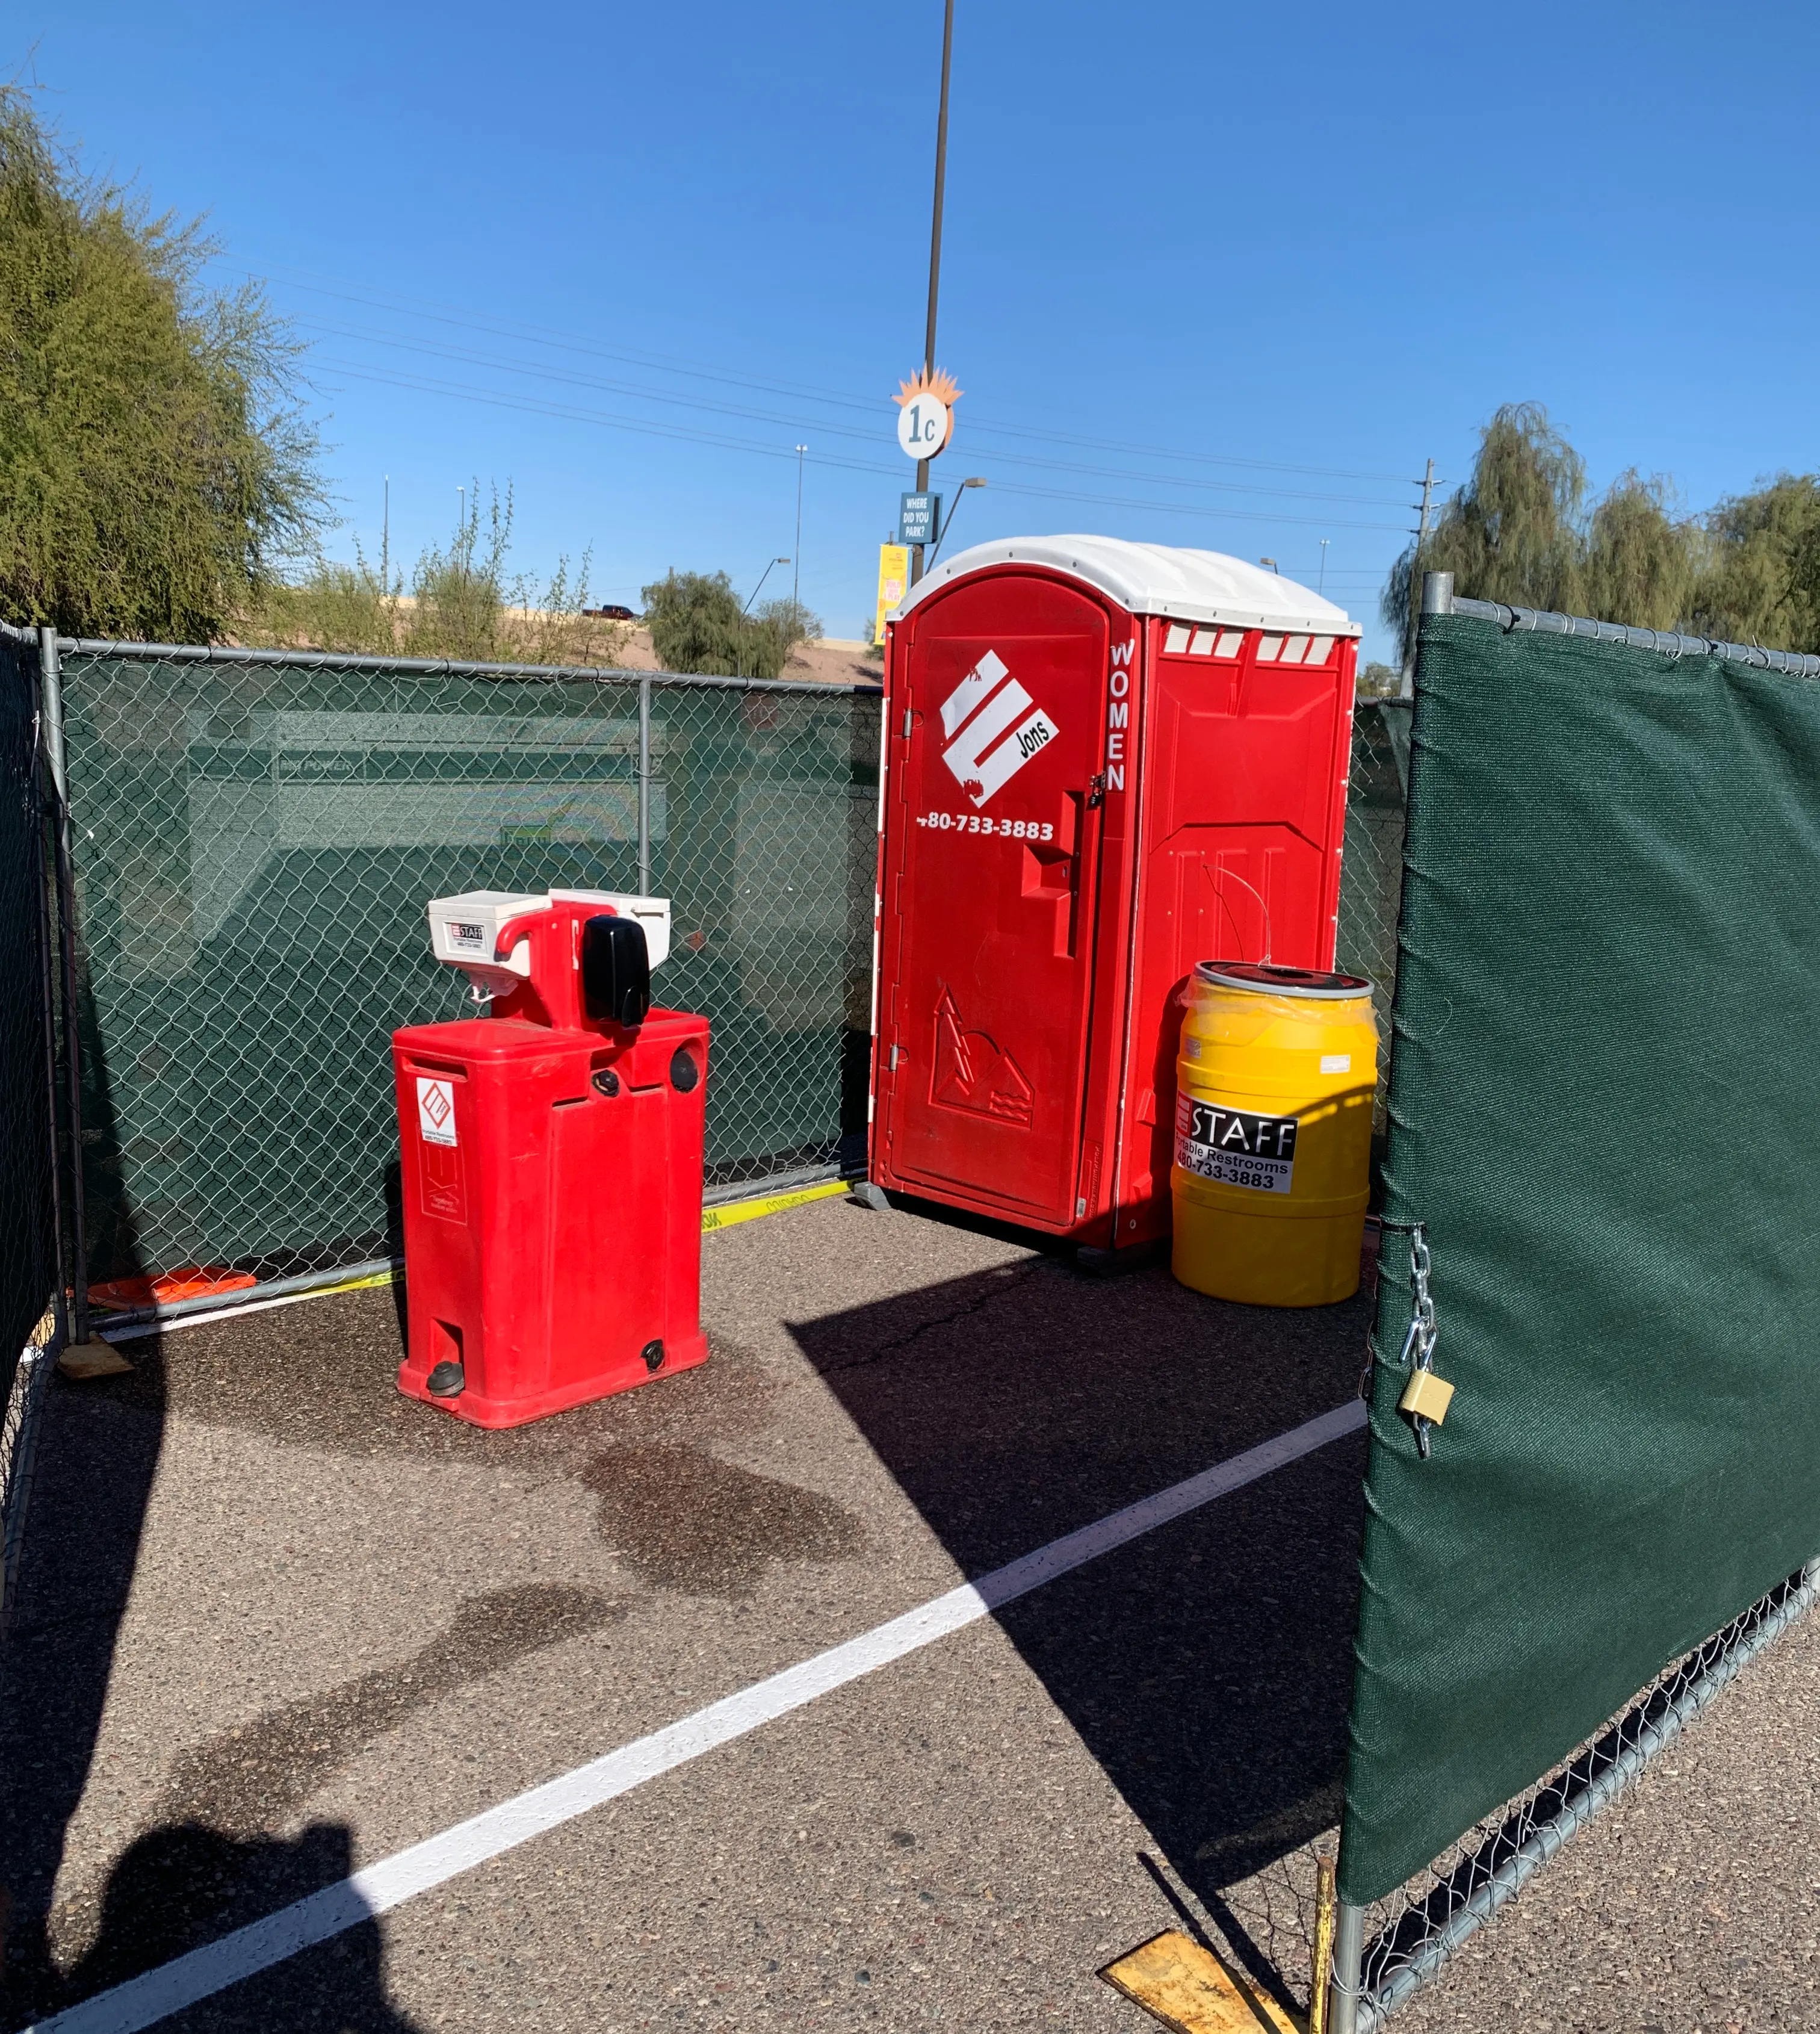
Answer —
188 1281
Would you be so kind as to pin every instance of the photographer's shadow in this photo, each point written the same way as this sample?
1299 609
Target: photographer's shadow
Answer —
184 1886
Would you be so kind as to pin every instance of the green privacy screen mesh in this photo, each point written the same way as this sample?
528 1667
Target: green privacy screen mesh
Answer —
1605 1111
256 842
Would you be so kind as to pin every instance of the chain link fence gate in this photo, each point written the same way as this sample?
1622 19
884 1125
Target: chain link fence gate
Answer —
1622 1494
257 835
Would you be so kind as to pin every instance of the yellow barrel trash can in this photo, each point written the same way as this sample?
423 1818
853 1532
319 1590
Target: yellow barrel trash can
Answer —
1274 1083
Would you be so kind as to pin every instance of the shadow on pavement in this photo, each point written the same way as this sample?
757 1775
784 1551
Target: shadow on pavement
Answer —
94 1468
1207 1666
183 1884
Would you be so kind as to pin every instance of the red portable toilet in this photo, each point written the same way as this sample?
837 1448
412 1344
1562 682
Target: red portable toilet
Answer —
1103 762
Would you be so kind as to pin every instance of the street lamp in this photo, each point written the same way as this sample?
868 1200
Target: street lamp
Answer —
916 571
1322 587
739 635
1272 563
796 576
973 481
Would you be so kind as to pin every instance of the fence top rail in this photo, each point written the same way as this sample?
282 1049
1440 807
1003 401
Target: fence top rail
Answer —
1442 599
426 667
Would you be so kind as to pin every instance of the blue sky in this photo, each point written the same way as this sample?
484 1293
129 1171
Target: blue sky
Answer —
1213 275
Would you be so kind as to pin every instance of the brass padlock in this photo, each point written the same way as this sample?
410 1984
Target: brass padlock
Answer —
1426 1397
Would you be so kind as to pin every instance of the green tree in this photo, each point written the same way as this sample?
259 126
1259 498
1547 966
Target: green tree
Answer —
696 625
156 469
1519 532
1638 561
1759 580
1510 534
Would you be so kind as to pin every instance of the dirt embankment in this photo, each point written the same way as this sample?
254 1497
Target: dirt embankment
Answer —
829 661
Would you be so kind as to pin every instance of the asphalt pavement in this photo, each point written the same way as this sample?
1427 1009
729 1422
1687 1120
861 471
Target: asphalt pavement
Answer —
278 1622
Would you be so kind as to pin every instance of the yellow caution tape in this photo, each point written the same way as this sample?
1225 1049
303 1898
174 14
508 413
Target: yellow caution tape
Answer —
723 1217
729 1212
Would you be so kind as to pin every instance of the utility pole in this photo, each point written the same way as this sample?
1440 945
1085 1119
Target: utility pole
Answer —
1406 689
385 540
1322 587
916 570
796 576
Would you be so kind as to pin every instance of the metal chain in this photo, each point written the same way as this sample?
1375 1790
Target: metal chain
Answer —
1419 1344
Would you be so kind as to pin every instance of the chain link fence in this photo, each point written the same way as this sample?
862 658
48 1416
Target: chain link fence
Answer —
1372 872
256 837
1409 1936
27 1268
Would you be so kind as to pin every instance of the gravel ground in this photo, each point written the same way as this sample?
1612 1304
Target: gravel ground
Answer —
278 1622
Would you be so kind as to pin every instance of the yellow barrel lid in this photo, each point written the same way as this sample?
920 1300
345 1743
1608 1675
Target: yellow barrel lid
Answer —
1270 979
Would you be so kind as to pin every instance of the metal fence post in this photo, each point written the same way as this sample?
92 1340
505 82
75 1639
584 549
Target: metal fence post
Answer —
1437 593
644 787
41 802
1349 1961
50 693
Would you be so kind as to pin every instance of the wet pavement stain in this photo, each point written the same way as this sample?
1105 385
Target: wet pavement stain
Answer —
324 1375
253 1779
683 1519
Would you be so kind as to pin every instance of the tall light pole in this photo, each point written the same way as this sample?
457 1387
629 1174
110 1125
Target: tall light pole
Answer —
796 576
739 638
1323 586
916 570
385 539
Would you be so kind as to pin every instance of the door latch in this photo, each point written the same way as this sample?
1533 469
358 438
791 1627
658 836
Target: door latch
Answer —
1096 790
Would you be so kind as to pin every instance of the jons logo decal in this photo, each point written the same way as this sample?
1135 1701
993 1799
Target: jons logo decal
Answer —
436 1111
993 728
1234 1147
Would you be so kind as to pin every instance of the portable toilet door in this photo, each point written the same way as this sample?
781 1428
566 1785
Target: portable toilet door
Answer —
993 745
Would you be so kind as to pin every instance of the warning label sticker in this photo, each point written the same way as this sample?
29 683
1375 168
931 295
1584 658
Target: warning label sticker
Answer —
1234 1147
435 1110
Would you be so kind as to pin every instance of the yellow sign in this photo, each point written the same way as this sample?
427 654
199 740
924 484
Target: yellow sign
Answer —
893 583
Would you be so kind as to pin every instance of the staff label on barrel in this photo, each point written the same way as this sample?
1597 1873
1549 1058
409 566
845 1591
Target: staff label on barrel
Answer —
1235 1147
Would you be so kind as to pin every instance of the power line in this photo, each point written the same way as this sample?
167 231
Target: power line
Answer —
869 436
532 406
678 365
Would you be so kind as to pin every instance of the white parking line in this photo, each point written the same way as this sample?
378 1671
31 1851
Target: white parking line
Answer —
141 2001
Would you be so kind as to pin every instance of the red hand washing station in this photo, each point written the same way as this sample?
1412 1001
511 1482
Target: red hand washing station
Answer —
552 1156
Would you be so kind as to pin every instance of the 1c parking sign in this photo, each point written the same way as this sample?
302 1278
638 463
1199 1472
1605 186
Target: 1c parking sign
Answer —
922 427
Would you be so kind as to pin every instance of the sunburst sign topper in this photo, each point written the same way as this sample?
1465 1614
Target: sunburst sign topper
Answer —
926 413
